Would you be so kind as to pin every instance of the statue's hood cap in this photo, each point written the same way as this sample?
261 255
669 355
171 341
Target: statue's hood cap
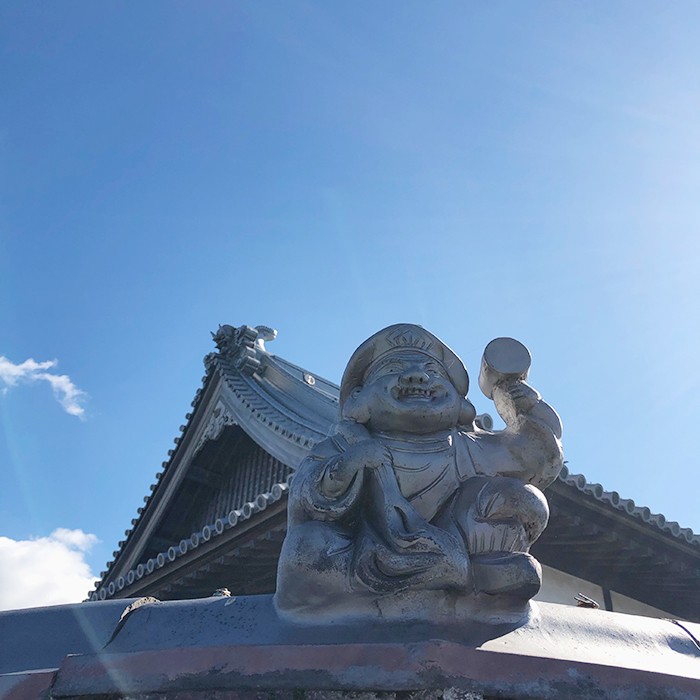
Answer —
402 336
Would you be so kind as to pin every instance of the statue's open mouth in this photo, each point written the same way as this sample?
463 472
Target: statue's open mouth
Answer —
415 392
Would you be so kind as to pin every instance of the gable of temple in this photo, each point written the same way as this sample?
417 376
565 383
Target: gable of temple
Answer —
216 515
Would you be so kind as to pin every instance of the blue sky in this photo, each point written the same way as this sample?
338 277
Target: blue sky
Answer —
481 168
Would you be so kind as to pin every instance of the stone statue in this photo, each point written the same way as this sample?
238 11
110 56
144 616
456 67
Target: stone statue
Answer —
409 510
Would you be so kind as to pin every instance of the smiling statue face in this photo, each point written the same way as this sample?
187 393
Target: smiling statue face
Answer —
408 392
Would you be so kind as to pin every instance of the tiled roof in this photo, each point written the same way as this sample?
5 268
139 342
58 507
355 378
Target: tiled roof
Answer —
225 522
627 505
240 351
146 499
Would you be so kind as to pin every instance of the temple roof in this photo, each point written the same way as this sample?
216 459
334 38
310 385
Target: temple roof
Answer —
286 409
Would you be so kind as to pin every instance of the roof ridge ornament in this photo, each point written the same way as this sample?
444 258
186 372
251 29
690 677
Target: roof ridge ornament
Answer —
266 333
242 346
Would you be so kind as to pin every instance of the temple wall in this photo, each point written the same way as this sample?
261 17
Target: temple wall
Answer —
621 603
560 587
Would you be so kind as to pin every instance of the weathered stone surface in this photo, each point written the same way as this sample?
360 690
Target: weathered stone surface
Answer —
301 694
411 510
38 638
447 694
240 649
610 658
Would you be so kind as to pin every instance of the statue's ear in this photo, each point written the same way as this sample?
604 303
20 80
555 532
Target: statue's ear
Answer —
356 407
467 415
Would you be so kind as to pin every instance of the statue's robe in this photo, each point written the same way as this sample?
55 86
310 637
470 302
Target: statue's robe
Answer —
411 524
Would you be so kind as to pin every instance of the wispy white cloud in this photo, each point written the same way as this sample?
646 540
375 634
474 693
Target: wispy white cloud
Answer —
45 571
66 393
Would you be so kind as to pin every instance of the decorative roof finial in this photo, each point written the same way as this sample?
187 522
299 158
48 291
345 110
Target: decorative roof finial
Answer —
243 345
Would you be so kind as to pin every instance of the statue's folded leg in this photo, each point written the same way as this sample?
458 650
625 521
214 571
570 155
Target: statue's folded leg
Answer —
433 560
499 518
314 566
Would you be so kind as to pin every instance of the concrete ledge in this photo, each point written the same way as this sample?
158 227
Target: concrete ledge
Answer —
28 685
240 649
390 667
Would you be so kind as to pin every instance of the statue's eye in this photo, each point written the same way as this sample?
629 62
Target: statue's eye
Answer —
391 368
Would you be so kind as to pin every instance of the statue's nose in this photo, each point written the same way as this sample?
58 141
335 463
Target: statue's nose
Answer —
415 375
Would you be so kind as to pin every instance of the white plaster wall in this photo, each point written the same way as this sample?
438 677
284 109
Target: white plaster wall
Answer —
558 587
621 603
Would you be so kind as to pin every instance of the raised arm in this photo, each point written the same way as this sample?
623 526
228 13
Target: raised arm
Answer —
529 448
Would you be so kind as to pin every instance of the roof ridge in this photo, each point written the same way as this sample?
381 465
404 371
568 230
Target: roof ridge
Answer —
628 506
